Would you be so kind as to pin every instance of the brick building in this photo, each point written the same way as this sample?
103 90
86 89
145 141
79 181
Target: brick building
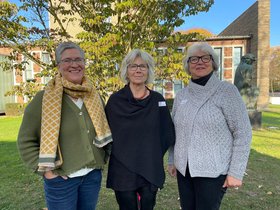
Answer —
249 33
230 49
15 77
255 21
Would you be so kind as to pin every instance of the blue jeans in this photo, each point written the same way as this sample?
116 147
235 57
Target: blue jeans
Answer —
78 193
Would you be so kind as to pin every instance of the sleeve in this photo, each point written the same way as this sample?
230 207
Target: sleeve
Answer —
171 155
107 109
239 124
107 148
28 140
171 149
166 127
174 107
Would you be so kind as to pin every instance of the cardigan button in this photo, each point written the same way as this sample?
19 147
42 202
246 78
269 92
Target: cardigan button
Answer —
81 113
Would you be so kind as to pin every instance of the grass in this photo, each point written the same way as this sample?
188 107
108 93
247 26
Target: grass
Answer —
20 189
261 189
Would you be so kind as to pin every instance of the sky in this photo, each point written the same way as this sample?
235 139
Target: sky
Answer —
224 12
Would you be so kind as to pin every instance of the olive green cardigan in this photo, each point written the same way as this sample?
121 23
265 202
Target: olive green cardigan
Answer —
75 137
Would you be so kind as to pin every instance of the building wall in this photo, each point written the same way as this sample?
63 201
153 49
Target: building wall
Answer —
253 22
227 66
256 22
73 28
245 24
263 52
227 62
15 76
6 82
250 31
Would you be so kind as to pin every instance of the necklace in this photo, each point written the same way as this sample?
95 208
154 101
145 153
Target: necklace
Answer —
143 96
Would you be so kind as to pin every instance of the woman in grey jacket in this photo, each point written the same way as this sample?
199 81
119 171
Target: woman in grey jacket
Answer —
213 133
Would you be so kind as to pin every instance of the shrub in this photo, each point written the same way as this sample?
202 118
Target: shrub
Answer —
14 109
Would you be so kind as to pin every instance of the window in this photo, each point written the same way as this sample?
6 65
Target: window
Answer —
220 70
159 86
237 53
180 49
28 69
46 59
177 85
6 81
161 51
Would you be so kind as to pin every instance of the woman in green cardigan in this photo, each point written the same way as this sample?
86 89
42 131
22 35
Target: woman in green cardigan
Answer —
64 135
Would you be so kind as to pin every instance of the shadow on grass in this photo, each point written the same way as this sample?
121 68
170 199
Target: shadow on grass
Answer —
271 119
261 186
272 135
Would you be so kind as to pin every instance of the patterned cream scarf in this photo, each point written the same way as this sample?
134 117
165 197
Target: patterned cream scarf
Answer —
50 154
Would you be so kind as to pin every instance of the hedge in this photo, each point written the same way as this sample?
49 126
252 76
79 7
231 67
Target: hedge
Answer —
14 109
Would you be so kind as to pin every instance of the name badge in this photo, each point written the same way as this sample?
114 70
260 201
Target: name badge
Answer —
161 103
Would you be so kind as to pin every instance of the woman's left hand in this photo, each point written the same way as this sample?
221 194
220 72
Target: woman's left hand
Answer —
172 170
232 182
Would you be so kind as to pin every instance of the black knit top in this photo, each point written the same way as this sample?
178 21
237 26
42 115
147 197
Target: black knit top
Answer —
203 80
142 132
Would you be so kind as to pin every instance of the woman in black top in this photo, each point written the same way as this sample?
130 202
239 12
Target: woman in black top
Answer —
142 132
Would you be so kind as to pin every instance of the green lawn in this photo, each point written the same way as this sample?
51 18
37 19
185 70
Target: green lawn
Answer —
22 190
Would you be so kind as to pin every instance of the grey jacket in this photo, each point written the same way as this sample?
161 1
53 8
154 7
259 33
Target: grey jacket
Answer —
213 131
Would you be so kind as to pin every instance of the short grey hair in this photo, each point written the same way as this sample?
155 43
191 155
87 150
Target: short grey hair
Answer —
64 46
130 57
204 47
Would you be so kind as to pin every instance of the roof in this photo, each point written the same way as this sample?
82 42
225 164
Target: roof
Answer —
227 37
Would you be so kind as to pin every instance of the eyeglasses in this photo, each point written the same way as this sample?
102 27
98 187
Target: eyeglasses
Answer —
69 61
204 59
134 67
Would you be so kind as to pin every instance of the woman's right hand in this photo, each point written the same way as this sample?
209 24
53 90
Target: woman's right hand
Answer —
172 170
51 175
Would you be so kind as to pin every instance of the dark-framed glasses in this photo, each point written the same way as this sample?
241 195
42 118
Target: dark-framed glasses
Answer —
134 67
69 61
204 59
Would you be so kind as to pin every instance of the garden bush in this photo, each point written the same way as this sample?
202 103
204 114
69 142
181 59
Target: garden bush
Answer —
14 109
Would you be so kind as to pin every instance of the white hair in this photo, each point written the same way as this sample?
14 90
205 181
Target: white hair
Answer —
130 57
64 46
204 47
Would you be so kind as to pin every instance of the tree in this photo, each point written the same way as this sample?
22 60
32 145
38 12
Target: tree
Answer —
146 24
18 33
201 31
